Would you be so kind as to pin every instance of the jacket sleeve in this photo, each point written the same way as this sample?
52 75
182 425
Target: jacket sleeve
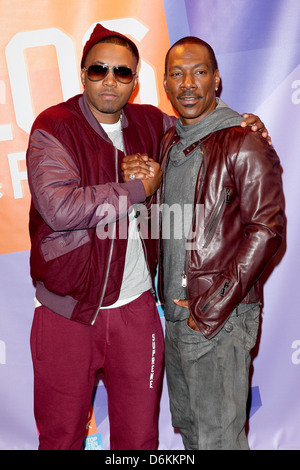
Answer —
256 173
54 182
168 122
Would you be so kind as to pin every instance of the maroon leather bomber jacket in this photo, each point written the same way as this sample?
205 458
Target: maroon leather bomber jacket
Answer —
75 180
239 186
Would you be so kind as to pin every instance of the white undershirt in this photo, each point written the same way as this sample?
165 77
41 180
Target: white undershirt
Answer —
136 277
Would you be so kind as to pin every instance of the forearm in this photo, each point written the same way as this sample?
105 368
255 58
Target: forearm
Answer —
57 193
211 310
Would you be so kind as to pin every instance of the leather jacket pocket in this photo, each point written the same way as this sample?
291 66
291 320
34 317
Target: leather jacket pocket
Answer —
216 216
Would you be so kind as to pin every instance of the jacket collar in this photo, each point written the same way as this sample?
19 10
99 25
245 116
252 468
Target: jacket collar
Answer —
93 121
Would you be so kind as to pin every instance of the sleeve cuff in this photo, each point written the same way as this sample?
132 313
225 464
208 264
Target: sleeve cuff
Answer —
136 191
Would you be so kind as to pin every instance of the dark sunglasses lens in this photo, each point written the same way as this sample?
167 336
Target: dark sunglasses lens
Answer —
96 72
123 74
99 72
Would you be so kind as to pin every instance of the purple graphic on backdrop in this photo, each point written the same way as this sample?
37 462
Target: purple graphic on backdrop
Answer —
255 401
247 38
258 51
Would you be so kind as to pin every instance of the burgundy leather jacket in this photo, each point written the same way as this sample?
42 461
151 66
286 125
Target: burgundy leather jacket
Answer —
239 186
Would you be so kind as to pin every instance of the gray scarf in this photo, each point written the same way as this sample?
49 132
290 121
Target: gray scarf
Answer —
220 118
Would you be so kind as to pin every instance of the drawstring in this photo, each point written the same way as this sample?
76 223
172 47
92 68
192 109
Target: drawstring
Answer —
107 342
124 316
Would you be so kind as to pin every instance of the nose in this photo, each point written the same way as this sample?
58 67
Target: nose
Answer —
188 80
109 79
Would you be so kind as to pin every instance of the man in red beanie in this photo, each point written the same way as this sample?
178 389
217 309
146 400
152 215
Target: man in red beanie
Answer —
95 310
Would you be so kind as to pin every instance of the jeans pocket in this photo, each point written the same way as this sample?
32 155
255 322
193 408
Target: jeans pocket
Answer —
193 336
251 320
243 325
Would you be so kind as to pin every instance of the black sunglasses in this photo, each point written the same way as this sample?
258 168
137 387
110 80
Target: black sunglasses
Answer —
98 72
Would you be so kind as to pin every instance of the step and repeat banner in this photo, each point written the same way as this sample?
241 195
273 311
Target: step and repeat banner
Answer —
258 50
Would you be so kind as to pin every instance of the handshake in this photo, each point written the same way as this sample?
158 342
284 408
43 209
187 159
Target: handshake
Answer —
140 166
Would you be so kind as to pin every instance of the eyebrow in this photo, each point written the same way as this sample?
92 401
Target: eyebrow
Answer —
200 64
98 62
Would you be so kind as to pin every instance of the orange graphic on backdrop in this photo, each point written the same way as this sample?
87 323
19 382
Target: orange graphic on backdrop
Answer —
91 427
21 40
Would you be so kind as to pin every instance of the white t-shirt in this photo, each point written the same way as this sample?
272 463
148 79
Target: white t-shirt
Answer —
136 277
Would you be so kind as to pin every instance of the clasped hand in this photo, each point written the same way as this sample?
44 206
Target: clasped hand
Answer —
144 168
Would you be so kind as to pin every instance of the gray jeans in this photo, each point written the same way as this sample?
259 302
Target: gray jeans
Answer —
208 380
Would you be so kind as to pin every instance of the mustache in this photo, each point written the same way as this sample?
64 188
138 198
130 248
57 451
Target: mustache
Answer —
110 91
189 94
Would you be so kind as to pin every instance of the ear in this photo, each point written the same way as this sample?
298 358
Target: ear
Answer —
135 81
82 76
217 79
165 83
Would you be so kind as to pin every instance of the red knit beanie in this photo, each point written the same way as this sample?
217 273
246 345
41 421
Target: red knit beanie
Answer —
98 35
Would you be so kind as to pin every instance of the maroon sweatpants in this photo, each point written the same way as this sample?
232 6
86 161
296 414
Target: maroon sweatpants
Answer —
126 345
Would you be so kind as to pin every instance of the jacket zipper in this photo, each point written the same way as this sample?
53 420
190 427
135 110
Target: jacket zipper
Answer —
146 259
106 278
184 275
216 297
110 251
217 214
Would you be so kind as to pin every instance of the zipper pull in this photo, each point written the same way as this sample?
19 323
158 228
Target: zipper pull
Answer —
227 195
224 288
183 279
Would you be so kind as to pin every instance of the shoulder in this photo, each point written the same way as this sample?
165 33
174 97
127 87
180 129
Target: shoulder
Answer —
238 138
245 149
54 116
147 112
